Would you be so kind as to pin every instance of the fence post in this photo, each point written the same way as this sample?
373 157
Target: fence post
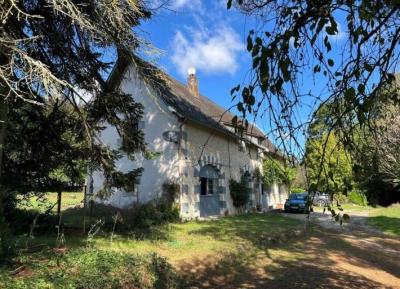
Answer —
59 196
84 208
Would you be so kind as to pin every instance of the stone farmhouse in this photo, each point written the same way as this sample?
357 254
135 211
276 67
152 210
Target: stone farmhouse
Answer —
195 143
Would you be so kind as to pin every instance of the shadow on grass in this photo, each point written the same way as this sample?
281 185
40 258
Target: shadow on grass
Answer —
77 227
386 224
255 228
307 263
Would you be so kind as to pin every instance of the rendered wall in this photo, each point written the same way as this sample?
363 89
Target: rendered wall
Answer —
157 119
199 146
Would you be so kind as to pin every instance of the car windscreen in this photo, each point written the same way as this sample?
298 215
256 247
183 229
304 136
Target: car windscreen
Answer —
298 196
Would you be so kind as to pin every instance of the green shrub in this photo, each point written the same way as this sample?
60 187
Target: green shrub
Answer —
357 197
170 191
154 214
275 172
340 198
139 217
239 192
92 269
297 190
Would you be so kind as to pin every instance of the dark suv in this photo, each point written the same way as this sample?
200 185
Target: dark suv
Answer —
320 199
297 203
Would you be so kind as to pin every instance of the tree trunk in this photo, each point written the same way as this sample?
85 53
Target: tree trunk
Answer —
4 230
59 196
3 125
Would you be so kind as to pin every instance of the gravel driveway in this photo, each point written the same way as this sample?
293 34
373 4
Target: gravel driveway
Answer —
357 221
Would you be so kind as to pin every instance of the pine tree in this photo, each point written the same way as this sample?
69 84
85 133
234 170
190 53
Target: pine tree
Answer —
52 53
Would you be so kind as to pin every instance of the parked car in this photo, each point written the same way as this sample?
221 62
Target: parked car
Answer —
320 199
297 203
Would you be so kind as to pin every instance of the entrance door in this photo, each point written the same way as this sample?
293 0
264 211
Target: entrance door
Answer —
209 206
209 198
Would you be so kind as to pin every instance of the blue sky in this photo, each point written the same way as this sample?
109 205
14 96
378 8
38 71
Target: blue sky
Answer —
207 36
202 34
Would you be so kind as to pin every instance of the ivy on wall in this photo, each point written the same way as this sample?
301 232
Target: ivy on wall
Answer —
240 192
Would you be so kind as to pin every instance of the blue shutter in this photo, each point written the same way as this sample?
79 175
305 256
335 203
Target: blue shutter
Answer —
197 189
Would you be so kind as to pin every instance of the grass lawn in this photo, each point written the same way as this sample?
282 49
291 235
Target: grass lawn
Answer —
238 252
245 251
386 219
188 240
69 200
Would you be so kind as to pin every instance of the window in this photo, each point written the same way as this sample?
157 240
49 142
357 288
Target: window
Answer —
206 186
208 180
210 186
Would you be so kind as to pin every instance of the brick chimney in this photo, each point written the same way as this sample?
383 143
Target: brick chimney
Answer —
193 83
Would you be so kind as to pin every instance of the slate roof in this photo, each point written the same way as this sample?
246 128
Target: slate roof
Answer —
199 109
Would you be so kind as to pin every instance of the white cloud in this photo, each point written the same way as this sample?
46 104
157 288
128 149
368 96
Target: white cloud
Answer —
341 33
213 52
186 3
177 4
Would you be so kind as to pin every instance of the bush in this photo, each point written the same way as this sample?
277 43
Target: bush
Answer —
92 269
154 213
357 197
297 190
170 191
340 198
20 221
239 192
138 217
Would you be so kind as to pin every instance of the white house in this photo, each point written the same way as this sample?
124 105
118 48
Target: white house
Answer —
196 144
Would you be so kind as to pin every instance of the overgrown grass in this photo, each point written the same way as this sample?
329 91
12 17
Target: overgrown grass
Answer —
128 257
386 219
186 240
90 269
232 252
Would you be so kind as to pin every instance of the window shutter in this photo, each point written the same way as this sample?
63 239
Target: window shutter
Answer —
197 189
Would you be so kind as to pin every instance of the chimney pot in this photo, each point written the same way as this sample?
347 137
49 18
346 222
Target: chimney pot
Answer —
193 83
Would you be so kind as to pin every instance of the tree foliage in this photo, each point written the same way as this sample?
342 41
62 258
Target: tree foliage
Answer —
295 40
329 166
376 153
240 192
370 163
275 172
52 55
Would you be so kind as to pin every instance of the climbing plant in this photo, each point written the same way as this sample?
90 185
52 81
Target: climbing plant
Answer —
276 173
239 192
